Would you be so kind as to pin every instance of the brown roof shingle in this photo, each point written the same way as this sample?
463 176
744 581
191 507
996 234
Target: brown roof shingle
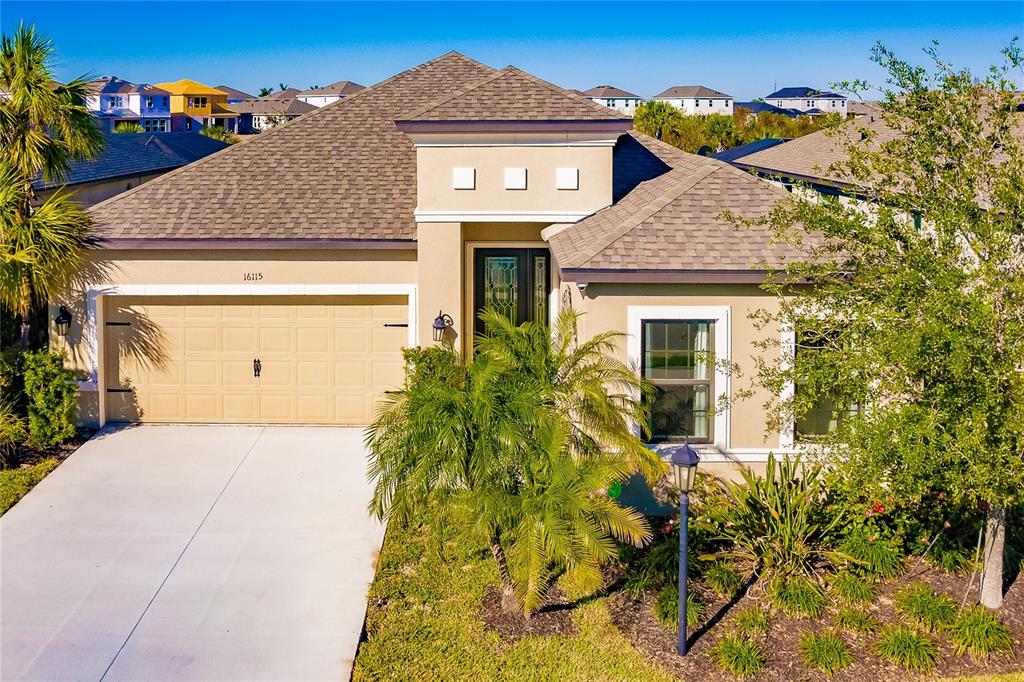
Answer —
692 91
608 91
339 88
344 172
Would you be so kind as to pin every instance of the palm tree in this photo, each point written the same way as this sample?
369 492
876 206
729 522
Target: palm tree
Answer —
128 127
218 133
43 127
282 87
265 91
657 119
516 447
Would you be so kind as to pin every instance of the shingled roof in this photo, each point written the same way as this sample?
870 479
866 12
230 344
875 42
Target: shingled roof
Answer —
287 106
341 173
339 88
671 224
606 91
692 91
513 95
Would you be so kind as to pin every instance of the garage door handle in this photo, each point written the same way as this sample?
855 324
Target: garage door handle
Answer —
257 367
396 324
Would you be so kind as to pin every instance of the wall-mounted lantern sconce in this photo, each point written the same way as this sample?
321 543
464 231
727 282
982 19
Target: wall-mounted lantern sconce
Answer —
442 323
63 321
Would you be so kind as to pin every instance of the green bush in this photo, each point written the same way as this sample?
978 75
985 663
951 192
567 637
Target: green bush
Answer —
852 620
951 559
922 606
826 651
738 656
12 434
980 633
797 596
15 483
873 556
907 648
723 579
666 608
50 389
753 620
852 589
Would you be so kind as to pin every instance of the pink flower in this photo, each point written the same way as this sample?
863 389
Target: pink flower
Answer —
878 507
869 513
872 538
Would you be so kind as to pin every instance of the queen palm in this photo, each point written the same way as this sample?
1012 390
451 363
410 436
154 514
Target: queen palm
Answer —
516 447
43 127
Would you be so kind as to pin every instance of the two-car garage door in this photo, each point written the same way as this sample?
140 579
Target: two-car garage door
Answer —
300 359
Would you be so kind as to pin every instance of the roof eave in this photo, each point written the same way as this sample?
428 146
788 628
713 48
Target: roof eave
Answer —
641 276
613 125
233 244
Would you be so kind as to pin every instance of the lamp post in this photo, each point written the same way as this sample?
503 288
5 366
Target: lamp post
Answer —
684 468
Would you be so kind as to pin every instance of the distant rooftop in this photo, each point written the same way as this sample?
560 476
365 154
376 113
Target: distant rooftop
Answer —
282 94
112 85
282 106
187 86
730 155
608 91
791 93
234 93
339 88
693 91
765 108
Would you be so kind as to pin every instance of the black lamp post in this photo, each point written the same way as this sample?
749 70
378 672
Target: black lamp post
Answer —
684 468
442 323
62 322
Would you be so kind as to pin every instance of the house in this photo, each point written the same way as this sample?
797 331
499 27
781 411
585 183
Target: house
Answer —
808 100
195 106
234 95
287 93
757 108
697 99
613 97
113 100
278 281
318 97
856 107
257 115
127 161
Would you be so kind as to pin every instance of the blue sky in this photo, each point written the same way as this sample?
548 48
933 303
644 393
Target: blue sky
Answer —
741 48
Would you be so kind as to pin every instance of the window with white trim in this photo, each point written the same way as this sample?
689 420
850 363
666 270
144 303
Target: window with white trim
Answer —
827 413
677 357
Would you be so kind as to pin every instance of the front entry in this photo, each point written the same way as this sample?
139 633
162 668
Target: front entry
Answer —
514 282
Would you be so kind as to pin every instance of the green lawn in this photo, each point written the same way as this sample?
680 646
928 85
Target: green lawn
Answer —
15 483
422 623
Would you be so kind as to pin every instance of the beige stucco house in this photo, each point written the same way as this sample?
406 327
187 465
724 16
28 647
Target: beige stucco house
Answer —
278 281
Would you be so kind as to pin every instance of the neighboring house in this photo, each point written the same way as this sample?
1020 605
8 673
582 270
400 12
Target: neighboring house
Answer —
234 95
113 101
258 115
730 155
697 99
856 107
195 106
287 93
757 108
614 98
278 281
319 97
127 161
808 100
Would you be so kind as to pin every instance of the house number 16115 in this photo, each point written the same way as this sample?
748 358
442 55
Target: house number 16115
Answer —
252 276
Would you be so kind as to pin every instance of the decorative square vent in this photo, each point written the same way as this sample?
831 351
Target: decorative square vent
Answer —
463 177
515 178
567 178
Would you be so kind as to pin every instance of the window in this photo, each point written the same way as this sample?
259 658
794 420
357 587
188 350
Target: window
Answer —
188 123
678 358
154 125
515 282
710 103
167 101
114 102
696 102
826 414
149 102
198 102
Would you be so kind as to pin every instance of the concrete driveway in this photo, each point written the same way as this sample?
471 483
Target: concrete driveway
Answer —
191 553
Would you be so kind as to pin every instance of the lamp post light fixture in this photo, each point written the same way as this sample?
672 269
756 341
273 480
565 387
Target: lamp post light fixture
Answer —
684 468
63 321
442 323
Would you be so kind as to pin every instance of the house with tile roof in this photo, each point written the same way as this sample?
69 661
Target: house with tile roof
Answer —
392 218
697 99
319 97
113 100
616 98
257 115
808 100
195 106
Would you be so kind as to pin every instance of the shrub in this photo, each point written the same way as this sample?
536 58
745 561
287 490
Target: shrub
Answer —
656 567
855 621
951 559
851 589
752 620
775 521
979 633
797 596
907 648
128 127
723 579
922 606
50 389
825 651
738 656
15 483
219 133
666 608
12 434
873 556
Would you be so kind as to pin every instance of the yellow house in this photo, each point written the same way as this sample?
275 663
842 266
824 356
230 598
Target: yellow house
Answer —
195 106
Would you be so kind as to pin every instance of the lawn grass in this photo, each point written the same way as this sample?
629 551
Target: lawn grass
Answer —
15 483
422 623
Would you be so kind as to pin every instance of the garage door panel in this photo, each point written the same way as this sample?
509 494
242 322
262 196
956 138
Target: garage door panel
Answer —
238 407
355 340
202 373
236 373
351 408
313 374
313 407
387 374
163 407
277 407
238 339
202 339
313 340
276 340
202 407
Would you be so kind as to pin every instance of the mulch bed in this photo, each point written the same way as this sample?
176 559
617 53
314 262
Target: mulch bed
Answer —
554 618
30 456
635 618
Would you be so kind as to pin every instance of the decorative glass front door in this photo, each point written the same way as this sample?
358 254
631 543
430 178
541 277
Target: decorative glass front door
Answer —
514 282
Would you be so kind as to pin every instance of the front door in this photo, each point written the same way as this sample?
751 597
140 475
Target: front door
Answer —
515 282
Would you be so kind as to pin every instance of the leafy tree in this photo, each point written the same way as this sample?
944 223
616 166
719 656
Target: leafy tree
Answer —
43 127
128 127
517 446
915 304
219 133
657 119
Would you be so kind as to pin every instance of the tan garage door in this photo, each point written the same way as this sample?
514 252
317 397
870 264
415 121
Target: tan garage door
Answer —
322 360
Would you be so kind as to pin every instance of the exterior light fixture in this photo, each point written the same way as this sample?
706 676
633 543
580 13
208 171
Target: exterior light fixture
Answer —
63 321
684 468
442 323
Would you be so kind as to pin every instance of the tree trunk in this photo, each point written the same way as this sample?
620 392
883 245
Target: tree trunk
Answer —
509 603
992 564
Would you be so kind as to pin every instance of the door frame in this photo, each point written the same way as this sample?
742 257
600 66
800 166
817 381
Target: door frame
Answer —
526 278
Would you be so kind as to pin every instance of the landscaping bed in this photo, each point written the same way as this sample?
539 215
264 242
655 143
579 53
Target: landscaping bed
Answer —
34 463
